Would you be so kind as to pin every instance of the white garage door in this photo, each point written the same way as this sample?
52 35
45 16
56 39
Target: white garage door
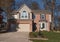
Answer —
24 27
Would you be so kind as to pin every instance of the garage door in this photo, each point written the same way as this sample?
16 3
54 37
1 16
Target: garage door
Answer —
24 27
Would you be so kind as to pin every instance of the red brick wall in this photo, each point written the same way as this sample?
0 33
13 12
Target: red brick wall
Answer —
37 19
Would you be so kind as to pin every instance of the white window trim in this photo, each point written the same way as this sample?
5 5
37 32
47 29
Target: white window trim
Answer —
22 15
40 24
41 17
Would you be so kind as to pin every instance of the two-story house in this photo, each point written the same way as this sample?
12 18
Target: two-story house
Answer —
32 20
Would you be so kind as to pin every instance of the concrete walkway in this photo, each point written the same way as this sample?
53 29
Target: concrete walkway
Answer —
14 37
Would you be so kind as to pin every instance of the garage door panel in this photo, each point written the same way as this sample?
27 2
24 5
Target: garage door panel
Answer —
24 27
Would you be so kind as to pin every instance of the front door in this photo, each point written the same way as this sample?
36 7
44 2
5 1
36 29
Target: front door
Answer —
42 26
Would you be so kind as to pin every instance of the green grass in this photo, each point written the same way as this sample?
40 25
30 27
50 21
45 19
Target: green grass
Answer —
52 37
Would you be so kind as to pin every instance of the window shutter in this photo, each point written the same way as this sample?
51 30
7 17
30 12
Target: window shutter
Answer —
49 18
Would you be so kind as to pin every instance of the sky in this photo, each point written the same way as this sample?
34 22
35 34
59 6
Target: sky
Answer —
40 2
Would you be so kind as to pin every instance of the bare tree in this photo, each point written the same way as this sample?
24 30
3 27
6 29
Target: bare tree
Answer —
7 5
58 8
35 5
58 24
50 5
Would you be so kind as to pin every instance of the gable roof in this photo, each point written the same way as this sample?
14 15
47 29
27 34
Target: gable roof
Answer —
23 6
29 6
33 10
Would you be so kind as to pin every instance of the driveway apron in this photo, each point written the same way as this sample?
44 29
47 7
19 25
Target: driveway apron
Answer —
15 37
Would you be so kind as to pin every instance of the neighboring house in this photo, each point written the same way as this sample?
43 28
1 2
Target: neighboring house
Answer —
32 20
4 15
3 21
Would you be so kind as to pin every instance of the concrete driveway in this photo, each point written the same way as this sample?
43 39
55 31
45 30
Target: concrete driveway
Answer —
14 37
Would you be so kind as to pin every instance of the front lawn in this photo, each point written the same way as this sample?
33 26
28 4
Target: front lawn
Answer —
52 37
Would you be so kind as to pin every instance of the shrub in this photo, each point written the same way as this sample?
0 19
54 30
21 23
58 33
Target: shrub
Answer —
36 35
33 34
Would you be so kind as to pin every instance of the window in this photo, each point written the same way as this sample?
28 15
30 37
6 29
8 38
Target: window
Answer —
42 25
24 15
42 16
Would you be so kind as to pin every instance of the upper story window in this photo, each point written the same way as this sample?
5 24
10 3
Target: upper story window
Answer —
42 16
24 15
